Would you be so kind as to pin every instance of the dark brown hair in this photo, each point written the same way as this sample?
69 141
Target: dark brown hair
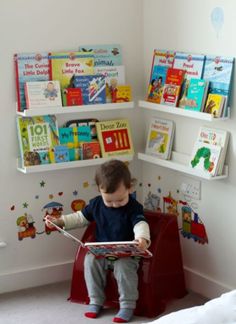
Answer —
111 174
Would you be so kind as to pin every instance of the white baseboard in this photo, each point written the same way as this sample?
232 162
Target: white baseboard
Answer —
204 285
36 277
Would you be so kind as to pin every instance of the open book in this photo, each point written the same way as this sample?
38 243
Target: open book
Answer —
111 250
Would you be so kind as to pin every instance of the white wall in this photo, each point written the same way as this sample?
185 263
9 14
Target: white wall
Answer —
185 25
31 26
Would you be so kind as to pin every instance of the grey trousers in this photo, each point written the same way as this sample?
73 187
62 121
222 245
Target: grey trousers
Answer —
125 273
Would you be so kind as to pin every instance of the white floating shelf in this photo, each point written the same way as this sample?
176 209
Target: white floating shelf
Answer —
69 165
179 111
179 162
75 109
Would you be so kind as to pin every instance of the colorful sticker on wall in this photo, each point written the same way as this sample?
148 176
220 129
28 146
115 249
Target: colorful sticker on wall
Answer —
25 224
170 205
192 226
152 202
53 209
77 204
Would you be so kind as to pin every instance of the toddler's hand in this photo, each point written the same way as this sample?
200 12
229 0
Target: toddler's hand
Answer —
57 221
142 243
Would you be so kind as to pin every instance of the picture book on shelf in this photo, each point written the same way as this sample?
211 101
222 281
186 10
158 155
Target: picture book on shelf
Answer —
197 94
160 138
113 250
193 65
64 65
90 150
115 137
104 55
72 97
36 135
156 85
29 67
114 75
43 94
93 88
121 93
218 137
218 71
205 157
91 122
214 104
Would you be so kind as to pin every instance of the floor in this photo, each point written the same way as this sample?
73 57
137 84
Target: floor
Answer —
49 305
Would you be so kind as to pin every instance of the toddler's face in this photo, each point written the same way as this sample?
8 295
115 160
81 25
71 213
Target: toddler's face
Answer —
116 199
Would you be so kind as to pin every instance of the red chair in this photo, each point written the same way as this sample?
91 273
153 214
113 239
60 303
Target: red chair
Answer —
161 277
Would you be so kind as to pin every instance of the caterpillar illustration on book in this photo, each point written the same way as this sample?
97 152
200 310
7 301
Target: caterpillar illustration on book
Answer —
204 153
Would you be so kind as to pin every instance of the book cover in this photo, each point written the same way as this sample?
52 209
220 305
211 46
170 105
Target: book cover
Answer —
72 97
59 153
37 135
43 94
104 55
90 150
170 95
93 88
121 93
158 79
206 157
160 138
72 137
29 67
91 122
175 76
218 71
114 76
214 104
193 64
197 93
218 137
64 65
115 137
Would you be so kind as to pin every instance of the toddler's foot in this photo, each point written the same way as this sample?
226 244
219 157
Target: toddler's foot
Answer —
93 311
124 315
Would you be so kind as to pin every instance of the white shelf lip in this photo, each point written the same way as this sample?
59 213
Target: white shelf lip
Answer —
75 109
70 165
179 162
178 111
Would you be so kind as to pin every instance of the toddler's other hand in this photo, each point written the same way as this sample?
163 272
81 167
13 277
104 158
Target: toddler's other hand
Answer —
142 243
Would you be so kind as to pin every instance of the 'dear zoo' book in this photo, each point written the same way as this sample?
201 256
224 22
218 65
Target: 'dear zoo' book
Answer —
37 135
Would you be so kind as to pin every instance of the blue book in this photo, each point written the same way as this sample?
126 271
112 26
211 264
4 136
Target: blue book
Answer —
104 55
157 82
197 93
93 88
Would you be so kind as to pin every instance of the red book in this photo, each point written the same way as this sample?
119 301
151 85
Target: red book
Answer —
73 97
175 76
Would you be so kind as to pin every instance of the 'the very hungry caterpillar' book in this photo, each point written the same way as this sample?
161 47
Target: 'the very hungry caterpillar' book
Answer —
160 138
37 135
115 137
29 67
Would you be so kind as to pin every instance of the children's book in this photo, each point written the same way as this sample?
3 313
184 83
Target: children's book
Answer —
63 66
93 88
58 154
115 137
218 137
90 150
43 94
214 104
72 97
104 55
91 122
111 250
193 65
158 79
160 138
114 76
218 71
197 94
162 58
29 67
206 157
121 93
37 135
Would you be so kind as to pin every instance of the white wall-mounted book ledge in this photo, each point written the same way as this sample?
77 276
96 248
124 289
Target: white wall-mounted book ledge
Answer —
68 165
181 111
76 109
179 162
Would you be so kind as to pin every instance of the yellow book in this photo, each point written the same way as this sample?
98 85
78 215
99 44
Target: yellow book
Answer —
214 105
115 137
